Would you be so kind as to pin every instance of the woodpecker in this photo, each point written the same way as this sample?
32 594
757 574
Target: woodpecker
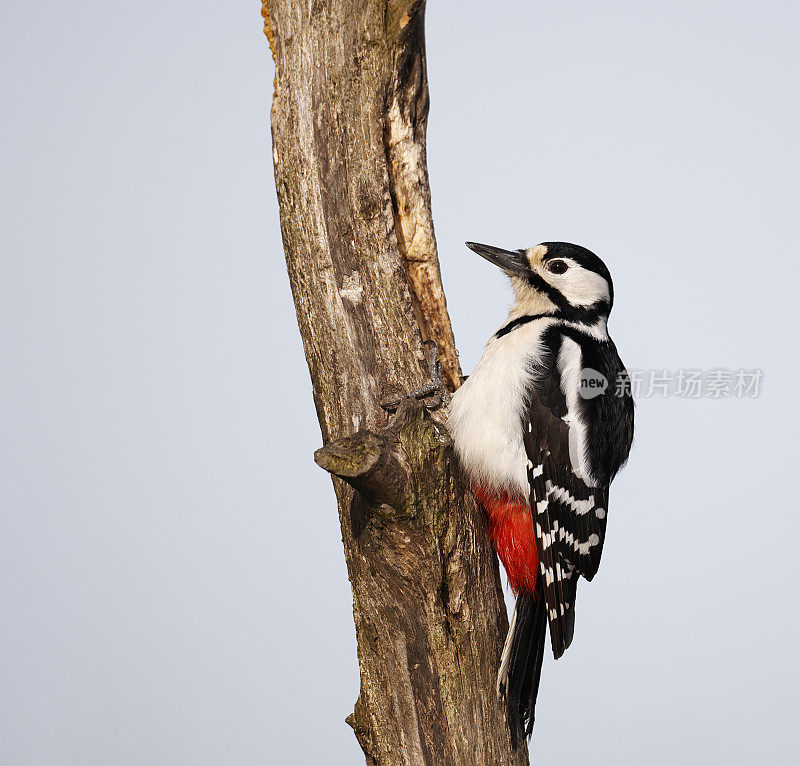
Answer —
541 427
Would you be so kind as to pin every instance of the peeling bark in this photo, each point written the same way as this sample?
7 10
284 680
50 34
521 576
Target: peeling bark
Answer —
405 132
348 127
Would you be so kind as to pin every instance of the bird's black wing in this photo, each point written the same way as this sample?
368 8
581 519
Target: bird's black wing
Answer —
569 516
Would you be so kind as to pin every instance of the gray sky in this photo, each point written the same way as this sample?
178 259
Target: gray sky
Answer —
172 584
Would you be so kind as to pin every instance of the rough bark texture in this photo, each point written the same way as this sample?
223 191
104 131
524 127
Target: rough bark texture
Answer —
348 127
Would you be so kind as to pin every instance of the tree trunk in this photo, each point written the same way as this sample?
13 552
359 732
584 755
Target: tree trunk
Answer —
348 128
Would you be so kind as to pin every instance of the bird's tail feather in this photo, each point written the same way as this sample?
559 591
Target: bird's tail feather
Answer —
521 664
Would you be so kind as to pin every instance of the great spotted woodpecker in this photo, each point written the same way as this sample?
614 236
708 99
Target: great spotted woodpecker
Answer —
541 427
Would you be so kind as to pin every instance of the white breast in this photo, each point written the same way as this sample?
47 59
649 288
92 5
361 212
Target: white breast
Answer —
486 413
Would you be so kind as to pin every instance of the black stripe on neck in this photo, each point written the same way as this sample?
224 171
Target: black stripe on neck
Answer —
543 286
514 323
584 316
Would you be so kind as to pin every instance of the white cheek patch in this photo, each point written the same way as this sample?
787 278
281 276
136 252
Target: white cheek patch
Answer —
580 286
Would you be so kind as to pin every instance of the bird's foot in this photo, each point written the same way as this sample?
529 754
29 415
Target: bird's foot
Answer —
435 390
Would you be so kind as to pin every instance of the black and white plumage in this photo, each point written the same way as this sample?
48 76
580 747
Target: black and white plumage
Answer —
541 442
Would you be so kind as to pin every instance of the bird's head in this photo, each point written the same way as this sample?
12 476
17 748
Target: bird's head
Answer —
555 278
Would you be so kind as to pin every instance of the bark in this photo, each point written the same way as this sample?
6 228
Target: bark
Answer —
348 127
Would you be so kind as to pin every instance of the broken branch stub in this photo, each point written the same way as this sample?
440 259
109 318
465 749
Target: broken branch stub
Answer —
391 467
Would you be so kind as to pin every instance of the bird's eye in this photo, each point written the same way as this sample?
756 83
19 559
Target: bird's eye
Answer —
557 266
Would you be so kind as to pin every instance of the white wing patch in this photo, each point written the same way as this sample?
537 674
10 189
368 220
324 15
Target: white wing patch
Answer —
570 362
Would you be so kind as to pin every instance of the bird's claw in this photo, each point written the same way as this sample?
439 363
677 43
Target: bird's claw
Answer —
436 388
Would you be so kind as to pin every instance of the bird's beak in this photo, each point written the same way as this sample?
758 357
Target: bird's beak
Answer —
512 262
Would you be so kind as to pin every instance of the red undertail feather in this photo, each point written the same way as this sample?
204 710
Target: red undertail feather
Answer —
513 536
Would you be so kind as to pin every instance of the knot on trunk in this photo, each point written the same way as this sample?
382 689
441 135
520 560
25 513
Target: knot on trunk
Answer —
392 468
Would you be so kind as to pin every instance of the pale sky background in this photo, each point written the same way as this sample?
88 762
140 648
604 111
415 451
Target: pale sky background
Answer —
172 585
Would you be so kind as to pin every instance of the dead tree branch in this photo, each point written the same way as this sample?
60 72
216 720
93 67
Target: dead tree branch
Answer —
348 127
